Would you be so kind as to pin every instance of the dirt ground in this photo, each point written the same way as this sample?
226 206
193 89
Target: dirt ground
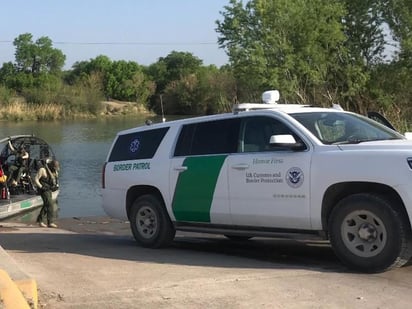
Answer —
95 263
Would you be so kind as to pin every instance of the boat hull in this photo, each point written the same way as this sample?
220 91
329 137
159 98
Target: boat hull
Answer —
22 203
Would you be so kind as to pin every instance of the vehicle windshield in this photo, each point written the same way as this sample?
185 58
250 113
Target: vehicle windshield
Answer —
344 128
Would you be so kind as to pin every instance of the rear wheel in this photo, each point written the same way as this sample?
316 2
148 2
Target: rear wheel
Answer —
150 223
368 234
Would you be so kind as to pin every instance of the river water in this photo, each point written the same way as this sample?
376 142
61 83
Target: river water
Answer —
81 147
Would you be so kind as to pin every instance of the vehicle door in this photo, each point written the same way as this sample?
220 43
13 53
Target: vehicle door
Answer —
269 186
198 171
381 119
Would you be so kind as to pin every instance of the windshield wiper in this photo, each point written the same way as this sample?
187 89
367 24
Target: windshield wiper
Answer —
354 141
358 141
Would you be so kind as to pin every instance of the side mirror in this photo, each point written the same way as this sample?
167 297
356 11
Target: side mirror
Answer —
286 141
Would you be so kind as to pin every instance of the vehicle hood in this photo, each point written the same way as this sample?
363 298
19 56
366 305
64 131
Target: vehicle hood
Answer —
394 145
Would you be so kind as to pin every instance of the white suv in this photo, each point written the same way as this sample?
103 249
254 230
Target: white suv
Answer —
267 169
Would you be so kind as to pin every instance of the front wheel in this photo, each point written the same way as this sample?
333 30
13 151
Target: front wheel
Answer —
150 223
368 234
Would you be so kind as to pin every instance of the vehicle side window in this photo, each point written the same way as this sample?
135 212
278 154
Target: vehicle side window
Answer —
137 145
212 137
256 133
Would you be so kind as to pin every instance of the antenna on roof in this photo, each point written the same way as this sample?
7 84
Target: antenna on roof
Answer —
161 105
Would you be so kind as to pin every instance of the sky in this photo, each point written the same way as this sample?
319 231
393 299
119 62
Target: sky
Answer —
131 30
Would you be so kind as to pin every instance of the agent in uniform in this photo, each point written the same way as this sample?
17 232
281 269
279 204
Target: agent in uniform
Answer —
46 181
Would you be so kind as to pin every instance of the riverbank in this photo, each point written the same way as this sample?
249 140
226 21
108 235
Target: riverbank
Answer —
19 110
113 108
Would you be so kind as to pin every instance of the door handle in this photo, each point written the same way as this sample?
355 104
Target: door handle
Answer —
180 168
240 166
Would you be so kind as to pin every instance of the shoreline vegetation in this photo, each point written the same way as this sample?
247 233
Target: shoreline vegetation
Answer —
351 53
19 110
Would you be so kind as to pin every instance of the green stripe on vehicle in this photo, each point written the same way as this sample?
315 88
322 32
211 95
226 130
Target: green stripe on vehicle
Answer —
195 188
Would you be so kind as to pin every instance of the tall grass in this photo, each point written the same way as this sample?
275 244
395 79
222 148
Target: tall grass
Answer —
56 101
18 110
70 106
40 104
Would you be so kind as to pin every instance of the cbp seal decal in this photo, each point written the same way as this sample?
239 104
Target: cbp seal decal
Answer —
294 177
134 145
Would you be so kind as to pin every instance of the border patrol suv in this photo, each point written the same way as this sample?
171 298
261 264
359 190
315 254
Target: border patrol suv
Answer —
267 169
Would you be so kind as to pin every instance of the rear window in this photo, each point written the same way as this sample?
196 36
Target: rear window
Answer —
137 145
212 137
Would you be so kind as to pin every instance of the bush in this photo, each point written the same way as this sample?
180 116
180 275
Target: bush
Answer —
77 100
5 96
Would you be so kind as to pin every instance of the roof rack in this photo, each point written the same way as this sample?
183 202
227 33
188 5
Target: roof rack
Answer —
270 99
244 107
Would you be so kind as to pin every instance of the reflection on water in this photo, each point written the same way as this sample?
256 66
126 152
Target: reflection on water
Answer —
81 147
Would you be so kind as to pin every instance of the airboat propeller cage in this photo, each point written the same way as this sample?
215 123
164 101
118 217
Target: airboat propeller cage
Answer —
270 97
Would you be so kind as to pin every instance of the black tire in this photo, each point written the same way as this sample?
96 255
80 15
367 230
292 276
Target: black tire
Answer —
368 234
150 223
238 237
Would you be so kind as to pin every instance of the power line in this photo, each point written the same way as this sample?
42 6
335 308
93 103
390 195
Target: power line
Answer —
127 43
136 43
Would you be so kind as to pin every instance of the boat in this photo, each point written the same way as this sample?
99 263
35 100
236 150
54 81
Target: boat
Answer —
23 196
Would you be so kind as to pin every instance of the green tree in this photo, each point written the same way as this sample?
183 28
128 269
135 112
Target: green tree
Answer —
294 46
174 66
36 71
37 57
368 31
180 64
121 80
217 90
168 71
364 30
127 81
8 74
208 91
100 65
317 51
398 16
391 82
157 71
